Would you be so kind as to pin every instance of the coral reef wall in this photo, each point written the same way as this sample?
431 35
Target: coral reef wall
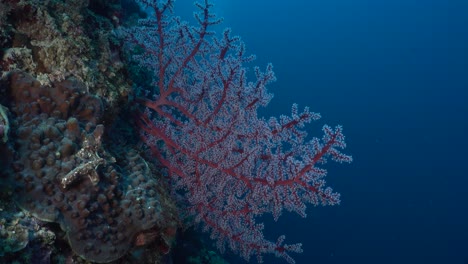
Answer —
53 40
63 154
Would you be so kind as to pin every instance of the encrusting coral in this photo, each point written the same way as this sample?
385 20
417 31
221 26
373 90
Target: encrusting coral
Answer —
104 200
53 40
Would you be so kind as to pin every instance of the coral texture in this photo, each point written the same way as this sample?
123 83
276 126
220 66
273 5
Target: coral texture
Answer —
54 40
4 124
63 173
201 122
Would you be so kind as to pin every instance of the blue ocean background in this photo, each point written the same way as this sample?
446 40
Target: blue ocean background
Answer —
395 75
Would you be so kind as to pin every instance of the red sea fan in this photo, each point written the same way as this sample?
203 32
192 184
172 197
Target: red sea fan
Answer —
201 123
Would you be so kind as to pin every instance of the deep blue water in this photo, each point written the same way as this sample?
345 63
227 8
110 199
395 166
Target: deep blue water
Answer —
395 75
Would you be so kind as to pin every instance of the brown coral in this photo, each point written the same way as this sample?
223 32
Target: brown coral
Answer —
64 174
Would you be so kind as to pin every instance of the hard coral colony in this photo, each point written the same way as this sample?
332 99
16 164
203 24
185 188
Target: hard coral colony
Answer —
73 158
64 174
